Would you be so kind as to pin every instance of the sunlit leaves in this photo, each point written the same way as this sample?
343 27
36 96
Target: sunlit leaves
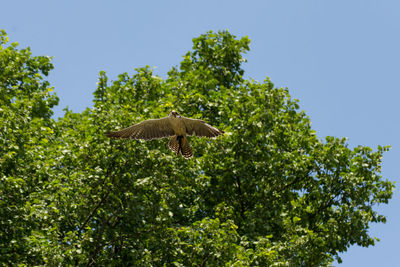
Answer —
26 134
267 192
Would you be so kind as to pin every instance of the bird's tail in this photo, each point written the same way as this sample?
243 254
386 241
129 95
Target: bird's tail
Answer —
180 144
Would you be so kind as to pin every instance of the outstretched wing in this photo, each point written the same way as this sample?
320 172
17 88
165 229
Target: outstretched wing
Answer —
200 128
147 130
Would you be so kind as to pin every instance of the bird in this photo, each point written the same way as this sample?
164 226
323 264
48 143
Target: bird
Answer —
174 126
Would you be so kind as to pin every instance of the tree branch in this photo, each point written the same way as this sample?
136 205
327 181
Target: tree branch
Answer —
203 263
94 210
92 258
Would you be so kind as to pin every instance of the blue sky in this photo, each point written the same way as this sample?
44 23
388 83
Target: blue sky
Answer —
339 58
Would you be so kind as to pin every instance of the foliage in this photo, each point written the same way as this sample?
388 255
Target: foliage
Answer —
268 192
26 133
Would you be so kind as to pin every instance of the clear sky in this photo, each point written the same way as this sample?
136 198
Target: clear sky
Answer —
341 59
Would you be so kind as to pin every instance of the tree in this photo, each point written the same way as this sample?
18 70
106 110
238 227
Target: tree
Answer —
26 130
267 192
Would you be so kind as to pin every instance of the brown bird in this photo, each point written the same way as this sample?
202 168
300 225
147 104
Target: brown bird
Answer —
175 126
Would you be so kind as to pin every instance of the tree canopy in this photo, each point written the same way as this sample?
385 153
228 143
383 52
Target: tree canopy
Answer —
267 192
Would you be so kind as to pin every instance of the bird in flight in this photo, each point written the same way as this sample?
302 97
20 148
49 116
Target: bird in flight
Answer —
174 126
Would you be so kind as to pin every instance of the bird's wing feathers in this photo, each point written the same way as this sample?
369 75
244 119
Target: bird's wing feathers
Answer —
200 128
147 130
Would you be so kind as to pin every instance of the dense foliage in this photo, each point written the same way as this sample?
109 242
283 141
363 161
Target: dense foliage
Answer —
267 192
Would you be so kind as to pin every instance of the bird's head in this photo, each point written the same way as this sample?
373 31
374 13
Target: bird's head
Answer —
174 114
